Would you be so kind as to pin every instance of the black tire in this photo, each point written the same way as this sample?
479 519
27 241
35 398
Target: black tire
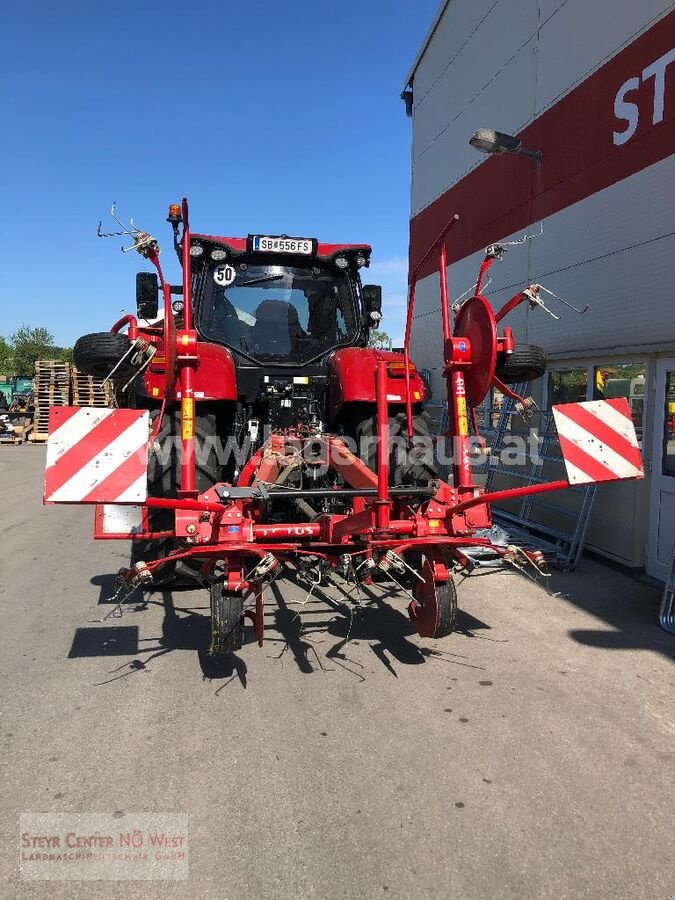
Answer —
164 481
97 354
447 609
434 619
413 467
526 363
227 621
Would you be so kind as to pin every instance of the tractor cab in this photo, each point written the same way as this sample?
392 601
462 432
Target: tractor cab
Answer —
284 309
279 301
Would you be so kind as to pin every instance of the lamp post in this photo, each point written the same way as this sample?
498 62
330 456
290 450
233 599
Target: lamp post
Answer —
496 143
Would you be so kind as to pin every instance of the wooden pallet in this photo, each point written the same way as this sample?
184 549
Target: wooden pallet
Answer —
45 381
57 397
93 396
52 387
37 437
90 391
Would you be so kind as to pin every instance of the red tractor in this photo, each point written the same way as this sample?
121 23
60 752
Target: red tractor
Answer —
261 430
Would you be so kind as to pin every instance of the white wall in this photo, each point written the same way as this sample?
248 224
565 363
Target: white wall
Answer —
581 257
615 250
500 65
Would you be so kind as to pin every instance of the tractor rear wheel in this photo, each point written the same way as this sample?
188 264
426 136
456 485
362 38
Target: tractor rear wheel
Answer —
227 621
164 481
97 354
526 363
407 466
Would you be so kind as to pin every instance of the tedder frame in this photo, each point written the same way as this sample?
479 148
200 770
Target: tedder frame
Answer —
436 525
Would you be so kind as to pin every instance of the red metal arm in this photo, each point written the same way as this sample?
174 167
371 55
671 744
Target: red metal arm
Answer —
382 446
485 265
511 304
509 494
506 390
129 320
445 310
420 265
188 364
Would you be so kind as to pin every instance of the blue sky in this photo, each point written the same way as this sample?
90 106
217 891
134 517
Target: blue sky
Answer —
274 117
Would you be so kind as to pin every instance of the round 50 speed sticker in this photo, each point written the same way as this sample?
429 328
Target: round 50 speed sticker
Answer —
224 275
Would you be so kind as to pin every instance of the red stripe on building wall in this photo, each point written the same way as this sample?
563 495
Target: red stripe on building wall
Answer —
506 194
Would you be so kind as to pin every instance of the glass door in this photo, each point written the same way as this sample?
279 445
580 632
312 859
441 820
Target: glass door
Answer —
662 500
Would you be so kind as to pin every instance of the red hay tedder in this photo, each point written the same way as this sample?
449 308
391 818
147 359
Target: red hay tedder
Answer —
258 429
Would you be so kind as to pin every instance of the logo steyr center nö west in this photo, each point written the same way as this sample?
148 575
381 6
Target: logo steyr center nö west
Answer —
629 111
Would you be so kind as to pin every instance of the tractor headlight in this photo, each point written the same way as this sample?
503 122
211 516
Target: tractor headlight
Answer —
217 255
341 262
361 260
178 306
196 250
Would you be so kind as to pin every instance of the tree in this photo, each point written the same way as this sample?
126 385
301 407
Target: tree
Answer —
5 357
379 339
28 345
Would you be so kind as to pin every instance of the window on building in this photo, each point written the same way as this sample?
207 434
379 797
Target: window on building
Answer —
668 467
567 386
623 380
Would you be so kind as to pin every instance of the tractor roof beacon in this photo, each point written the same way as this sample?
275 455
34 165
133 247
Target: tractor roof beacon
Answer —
258 430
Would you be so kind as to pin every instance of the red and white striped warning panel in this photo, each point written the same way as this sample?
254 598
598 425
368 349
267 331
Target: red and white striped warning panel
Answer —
96 455
598 441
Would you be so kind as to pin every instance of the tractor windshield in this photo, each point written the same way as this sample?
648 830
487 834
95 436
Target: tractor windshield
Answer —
281 314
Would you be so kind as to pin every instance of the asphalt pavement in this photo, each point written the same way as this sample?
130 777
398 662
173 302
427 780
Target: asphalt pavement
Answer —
529 755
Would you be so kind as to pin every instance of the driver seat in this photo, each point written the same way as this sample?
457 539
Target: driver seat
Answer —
277 327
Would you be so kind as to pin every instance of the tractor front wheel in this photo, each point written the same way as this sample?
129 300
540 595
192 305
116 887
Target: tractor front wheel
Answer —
412 465
97 354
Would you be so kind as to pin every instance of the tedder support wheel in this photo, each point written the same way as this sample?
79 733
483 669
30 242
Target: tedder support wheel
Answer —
526 363
227 620
433 612
98 354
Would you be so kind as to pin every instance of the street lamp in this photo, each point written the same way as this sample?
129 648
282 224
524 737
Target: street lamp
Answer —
497 142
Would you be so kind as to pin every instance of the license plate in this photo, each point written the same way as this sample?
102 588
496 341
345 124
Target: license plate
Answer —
268 244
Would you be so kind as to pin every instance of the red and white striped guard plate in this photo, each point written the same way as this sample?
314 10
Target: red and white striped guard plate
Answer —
96 455
598 441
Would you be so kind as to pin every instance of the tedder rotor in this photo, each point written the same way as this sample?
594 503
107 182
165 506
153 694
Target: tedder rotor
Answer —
258 430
